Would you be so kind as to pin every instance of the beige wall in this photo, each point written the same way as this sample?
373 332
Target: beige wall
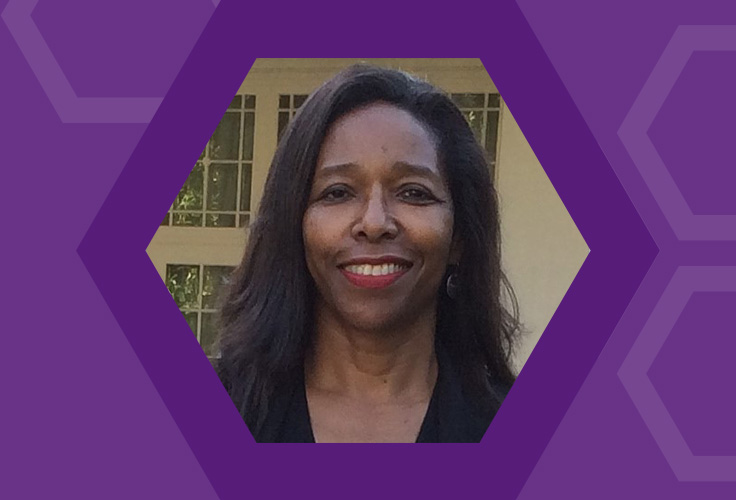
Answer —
542 247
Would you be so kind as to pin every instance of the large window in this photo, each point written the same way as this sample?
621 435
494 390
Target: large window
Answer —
218 191
197 289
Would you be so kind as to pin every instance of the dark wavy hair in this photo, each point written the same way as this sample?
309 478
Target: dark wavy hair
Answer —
267 318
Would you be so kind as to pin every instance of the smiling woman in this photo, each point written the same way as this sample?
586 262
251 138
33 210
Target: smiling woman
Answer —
368 305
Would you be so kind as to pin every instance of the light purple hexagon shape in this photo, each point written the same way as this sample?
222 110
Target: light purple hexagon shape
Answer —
694 130
633 373
694 373
70 107
633 133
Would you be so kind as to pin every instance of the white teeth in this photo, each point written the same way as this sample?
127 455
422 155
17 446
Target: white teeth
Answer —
377 270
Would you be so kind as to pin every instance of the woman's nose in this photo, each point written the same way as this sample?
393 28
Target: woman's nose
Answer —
375 221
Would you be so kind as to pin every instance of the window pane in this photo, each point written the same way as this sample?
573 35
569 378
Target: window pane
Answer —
215 279
220 220
249 101
283 122
190 196
299 100
284 101
248 131
494 100
183 284
224 142
186 219
222 187
208 335
244 220
191 318
167 217
245 186
491 135
469 100
475 119
236 103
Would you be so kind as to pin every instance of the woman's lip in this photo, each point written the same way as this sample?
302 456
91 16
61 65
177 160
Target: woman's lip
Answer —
375 261
368 281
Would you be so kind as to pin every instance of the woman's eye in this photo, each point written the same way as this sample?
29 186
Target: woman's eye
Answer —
416 195
337 193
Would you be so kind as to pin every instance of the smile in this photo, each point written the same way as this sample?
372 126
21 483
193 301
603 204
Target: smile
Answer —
374 275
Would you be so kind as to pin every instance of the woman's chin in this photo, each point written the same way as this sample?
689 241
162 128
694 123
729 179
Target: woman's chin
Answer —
378 322
384 316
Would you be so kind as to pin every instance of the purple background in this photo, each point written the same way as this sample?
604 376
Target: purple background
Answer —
629 394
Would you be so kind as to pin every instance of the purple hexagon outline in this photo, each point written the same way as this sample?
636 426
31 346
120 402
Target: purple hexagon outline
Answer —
113 251
633 373
633 132
70 107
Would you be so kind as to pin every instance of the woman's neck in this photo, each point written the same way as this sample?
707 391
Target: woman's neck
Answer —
396 364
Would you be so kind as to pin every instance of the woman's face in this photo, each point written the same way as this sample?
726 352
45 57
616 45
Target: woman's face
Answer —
378 229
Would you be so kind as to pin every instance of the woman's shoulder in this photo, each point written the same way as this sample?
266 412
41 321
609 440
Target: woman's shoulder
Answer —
465 410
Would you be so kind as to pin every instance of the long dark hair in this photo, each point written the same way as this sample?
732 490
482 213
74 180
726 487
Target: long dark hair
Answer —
267 317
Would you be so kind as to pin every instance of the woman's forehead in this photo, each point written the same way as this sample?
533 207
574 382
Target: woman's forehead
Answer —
378 134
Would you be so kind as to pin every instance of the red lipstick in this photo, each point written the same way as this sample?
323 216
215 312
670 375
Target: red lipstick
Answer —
365 281
398 267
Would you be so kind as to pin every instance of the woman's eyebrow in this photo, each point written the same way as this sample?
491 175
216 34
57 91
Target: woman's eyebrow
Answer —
418 170
341 168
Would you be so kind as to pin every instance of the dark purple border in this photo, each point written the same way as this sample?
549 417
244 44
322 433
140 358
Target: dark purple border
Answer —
621 252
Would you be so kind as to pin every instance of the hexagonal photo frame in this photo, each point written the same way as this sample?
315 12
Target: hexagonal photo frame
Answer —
71 107
633 373
634 128
201 240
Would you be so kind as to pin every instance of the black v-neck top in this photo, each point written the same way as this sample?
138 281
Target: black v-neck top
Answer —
450 417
